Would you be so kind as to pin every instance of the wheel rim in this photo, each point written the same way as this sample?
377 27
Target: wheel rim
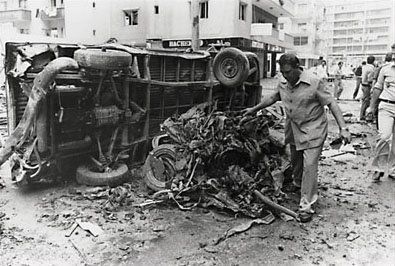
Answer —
229 67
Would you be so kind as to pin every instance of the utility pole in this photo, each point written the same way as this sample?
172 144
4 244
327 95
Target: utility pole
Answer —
195 25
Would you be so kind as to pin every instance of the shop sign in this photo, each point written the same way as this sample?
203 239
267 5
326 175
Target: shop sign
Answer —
256 44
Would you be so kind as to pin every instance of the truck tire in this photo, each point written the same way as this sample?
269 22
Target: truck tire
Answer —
231 67
115 177
103 59
159 167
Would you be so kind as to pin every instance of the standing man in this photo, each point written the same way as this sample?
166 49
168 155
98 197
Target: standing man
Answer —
321 71
387 61
367 78
304 97
384 92
358 77
338 81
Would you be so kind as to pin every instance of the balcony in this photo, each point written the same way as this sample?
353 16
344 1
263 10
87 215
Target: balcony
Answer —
54 13
278 8
19 15
266 33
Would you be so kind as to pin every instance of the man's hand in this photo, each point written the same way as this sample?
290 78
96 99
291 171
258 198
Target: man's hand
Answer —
345 135
248 111
369 110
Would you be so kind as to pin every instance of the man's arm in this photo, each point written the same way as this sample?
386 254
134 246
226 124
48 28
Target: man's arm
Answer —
266 101
377 89
337 113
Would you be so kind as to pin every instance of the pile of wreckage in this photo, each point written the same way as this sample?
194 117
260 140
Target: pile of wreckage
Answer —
218 159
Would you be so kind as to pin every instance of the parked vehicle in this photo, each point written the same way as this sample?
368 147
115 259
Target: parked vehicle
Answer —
94 109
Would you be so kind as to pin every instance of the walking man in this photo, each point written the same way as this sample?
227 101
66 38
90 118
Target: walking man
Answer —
304 96
358 77
338 81
384 92
367 78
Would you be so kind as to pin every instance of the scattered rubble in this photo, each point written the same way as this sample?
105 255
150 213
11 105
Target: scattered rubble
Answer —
214 158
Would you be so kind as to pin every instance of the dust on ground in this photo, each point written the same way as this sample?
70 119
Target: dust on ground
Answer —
354 222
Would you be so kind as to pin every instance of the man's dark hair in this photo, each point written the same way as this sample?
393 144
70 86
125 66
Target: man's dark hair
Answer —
393 46
363 62
388 57
289 59
340 63
370 59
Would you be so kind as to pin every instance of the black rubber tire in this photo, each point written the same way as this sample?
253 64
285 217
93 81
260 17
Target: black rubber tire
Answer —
167 155
116 177
103 59
231 67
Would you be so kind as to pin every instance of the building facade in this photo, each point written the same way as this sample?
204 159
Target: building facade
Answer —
37 17
251 25
357 29
306 27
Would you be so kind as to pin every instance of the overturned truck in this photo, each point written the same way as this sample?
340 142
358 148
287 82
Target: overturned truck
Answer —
95 109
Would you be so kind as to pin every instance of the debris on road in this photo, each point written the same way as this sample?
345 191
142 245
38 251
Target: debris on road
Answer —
91 228
244 227
215 158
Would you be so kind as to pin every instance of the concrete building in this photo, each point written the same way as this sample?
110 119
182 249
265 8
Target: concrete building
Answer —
37 17
306 27
356 29
251 25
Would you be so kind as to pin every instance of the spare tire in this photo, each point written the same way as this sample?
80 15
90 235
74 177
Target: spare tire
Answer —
103 59
117 176
231 67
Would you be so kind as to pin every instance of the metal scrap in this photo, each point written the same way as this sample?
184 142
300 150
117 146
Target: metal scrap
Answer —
217 159
244 227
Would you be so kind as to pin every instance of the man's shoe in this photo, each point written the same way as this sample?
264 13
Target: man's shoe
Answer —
392 176
305 217
377 175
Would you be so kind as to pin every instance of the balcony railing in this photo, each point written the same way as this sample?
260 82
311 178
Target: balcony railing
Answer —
266 33
18 15
52 13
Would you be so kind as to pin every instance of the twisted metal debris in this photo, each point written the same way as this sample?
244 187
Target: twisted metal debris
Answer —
216 158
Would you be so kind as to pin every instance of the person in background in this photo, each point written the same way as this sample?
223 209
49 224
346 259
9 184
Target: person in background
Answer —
384 93
358 77
387 61
322 71
338 81
304 97
367 78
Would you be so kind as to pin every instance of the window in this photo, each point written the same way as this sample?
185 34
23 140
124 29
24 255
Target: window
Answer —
156 9
53 3
94 32
242 11
22 3
93 4
300 41
131 17
280 26
203 9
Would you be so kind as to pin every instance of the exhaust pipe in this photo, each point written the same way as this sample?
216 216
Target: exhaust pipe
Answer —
41 85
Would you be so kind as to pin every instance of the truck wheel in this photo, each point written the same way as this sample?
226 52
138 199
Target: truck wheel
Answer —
103 59
159 167
231 67
118 175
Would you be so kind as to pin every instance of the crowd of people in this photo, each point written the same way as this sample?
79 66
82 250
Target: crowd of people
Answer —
305 96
